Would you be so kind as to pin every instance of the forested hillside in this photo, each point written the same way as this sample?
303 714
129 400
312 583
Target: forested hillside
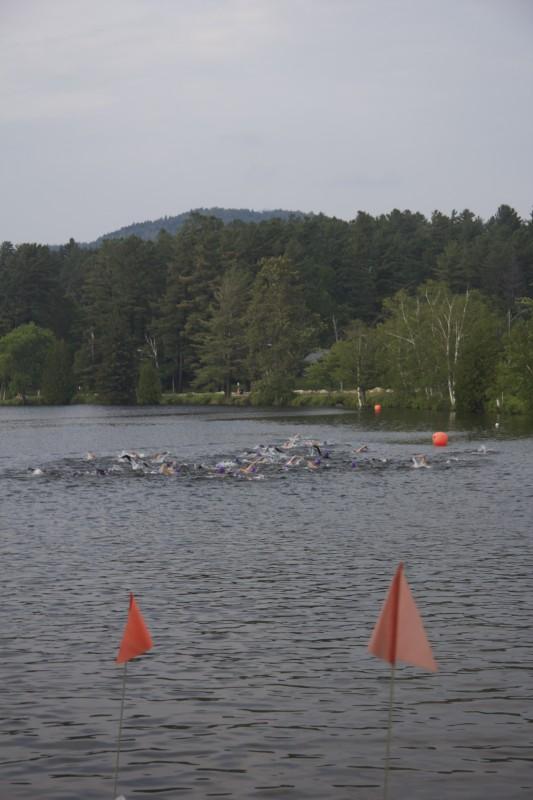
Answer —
150 229
439 311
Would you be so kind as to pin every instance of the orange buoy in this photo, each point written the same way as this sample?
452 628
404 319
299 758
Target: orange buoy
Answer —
440 439
377 408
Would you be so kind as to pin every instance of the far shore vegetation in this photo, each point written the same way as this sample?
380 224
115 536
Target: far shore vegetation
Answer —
301 311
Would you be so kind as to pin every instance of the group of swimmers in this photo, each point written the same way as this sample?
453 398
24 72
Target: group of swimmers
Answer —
294 454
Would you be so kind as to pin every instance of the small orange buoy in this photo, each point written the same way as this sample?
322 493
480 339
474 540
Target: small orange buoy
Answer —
440 439
377 408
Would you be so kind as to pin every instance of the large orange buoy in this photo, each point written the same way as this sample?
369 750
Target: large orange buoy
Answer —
440 439
377 408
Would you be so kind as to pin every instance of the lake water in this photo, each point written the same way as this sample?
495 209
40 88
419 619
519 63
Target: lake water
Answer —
261 589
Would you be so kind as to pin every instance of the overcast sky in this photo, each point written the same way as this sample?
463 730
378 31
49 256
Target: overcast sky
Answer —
118 111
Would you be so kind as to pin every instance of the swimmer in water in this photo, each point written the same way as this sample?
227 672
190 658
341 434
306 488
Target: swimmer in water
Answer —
420 461
294 461
167 468
291 442
252 467
158 458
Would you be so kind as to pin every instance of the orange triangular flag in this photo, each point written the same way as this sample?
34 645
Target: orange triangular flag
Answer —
399 634
136 639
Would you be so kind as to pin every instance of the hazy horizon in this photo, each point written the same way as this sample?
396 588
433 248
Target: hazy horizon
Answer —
126 112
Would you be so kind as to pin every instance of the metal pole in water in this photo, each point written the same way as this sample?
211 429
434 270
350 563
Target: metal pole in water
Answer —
120 730
389 734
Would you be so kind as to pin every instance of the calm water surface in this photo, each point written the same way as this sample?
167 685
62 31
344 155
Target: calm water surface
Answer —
261 593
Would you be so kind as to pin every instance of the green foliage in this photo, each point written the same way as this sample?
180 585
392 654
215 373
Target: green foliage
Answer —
190 282
116 377
204 399
122 281
274 389
323 373
280 331
31 291
513 386
480 354
58 381
198 303
222 345
431 351
23 354
149 385
349 364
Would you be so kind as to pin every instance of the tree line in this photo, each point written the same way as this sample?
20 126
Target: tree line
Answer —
439 311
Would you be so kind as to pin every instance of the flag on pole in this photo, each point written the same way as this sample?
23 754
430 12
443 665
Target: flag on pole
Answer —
136 639
399 634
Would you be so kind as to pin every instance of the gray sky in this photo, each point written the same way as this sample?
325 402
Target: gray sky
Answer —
118 111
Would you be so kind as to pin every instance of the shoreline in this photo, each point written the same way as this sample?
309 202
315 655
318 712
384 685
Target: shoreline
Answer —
346 399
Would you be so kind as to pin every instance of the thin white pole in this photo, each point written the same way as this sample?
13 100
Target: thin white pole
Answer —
120 729
389 734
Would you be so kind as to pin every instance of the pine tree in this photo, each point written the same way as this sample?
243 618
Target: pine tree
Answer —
149 385
192 273
116 377
57 382
280 331
222 347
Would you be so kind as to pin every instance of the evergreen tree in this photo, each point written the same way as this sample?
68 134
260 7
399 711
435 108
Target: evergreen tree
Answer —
123 280
7 252
222 346
149 385
450 267
31 292
280 331
192 272
57 381
116 377
403 252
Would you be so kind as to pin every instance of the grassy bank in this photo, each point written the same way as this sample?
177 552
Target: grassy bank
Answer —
301 398
204 399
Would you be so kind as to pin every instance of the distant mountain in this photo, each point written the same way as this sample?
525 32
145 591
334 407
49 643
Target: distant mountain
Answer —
151 228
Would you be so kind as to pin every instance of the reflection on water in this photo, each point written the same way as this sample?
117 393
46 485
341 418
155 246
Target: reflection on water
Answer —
260 596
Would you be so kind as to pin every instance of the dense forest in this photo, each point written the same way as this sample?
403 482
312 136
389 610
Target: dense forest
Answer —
437 312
